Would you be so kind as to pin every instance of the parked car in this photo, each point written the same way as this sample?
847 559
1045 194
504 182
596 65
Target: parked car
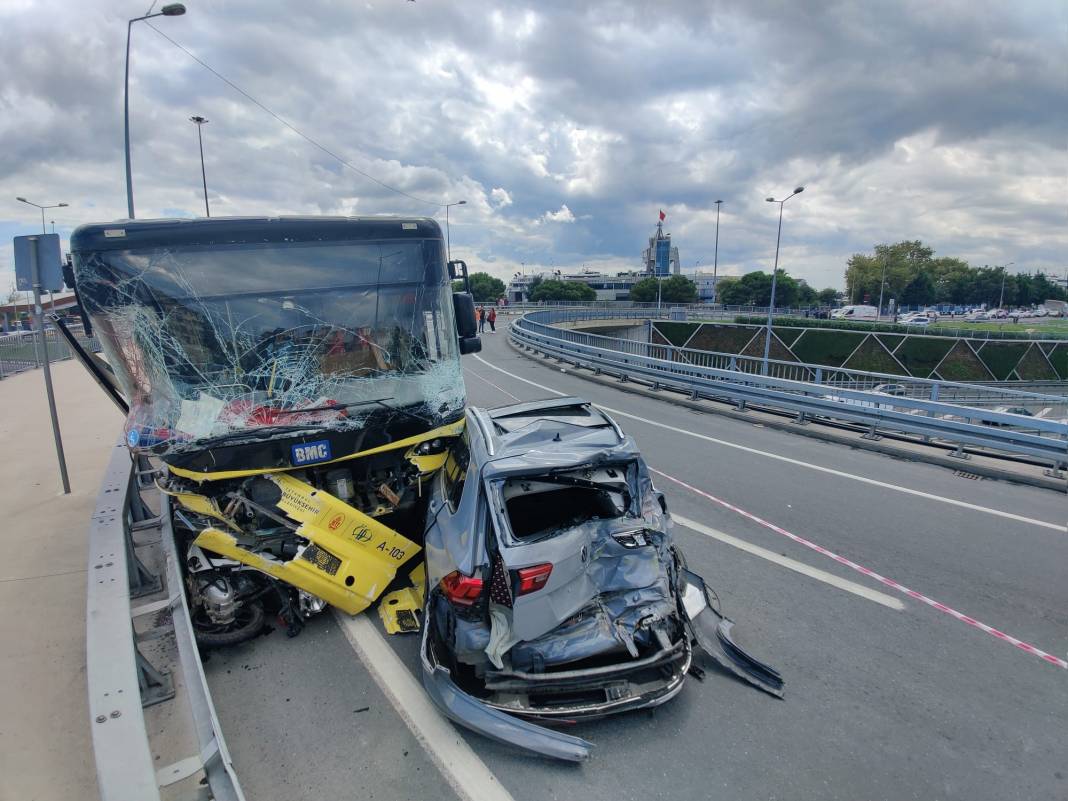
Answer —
931 314
555 590
1020 410
897 390
916 320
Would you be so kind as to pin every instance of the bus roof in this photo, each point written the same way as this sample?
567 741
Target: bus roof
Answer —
138 234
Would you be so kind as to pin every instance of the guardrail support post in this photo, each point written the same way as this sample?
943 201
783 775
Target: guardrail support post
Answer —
156 687
870 434
959 452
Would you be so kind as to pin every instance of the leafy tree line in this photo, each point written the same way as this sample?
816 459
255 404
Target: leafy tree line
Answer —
484 287
915 277
550 289
754 289
673 289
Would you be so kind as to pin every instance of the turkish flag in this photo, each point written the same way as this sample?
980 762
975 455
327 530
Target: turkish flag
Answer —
662 215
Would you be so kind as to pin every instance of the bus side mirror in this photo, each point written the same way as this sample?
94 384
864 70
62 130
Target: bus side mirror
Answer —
463 304
458 271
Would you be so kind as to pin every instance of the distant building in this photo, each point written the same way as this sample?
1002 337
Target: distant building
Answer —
607 286
660 258
706 286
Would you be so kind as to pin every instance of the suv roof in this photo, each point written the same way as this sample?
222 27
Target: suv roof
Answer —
514 430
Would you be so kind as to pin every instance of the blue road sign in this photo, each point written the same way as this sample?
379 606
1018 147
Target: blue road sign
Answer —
48 262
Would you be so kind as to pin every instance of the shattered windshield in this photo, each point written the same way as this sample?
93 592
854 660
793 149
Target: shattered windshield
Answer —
211 342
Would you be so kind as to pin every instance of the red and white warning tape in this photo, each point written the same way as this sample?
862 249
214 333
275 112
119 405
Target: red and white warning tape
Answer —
1023 646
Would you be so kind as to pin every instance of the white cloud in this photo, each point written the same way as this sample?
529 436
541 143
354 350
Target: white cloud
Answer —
941 126
501 197
562 215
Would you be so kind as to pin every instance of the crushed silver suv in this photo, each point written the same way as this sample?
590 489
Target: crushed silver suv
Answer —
555 591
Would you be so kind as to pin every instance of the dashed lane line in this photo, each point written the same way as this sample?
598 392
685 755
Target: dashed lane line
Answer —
798 463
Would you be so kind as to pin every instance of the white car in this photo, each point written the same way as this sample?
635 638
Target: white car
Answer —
917 319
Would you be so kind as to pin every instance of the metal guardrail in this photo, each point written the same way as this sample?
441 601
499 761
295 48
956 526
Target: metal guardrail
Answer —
122 682
22 350
801 393
928 389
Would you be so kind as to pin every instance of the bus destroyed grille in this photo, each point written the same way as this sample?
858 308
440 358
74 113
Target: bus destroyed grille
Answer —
323 560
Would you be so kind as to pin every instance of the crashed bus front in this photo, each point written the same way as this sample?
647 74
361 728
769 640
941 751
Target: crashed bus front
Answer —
300 378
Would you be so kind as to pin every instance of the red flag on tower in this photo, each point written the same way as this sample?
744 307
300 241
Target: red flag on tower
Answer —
662 215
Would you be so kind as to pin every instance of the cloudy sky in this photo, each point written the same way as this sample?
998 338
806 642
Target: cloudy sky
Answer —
565 125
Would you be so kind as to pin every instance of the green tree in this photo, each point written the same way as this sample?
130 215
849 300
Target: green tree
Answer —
674 289
754 289
920 291
827 297
806 295
730 292
562 290
486 288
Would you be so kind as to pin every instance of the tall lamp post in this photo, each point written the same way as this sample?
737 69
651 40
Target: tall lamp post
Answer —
1004 272
882 285
775 273
199 122
715 257
448 233
170 10
42 208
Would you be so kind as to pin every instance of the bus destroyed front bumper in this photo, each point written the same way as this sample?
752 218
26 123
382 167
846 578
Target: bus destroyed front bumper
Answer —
708 630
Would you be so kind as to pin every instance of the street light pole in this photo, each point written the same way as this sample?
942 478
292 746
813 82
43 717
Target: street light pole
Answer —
715 258
1004 272
775 274
171 10
448 233
42 208
882 284
199 121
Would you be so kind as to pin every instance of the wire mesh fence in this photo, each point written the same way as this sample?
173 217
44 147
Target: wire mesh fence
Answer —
24 350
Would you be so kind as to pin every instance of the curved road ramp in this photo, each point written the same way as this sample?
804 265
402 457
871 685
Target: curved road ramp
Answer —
917 615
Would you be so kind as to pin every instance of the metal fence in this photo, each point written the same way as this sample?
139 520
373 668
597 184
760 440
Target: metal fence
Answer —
23 350
807 390
132 556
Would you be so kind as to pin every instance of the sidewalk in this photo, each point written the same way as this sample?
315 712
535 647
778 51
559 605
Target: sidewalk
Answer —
45 744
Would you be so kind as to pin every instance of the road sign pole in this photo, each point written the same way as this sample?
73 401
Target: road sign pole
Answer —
39 314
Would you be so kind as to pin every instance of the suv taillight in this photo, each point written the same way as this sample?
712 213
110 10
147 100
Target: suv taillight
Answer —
532 579
460 589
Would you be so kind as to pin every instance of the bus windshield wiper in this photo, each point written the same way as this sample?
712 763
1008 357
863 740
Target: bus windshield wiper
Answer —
333 406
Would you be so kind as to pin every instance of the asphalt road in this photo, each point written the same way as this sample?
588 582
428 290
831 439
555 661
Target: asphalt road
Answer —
889 695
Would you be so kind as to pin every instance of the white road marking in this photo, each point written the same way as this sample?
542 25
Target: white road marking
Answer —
792 564
462 768
486 380
830 470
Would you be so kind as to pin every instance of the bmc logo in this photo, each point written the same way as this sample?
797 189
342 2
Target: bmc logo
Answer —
310 452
